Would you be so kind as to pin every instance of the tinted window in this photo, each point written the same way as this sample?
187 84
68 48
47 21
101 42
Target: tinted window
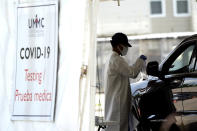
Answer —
195 68
183 60
182 6
156 7
192 66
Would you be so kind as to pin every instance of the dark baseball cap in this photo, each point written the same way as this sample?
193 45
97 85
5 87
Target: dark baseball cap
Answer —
120 38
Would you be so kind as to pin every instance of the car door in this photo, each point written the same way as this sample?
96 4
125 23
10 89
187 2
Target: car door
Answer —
181 69
189 95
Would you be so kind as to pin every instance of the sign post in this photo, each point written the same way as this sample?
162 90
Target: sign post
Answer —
36 61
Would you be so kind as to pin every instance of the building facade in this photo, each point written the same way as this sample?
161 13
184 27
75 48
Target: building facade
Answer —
170 16
146 17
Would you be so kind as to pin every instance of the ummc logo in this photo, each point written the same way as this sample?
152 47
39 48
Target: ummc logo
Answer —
36 22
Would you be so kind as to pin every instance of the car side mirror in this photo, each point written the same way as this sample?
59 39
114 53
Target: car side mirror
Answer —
153 68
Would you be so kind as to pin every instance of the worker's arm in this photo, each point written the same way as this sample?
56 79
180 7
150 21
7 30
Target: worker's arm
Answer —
136 68
131 71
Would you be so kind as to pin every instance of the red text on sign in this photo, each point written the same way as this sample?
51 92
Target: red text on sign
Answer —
23 96
33 76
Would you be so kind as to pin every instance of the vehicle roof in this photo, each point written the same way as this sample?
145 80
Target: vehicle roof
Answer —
190 38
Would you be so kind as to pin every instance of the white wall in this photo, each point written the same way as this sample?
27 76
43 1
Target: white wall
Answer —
194 14
131 17
76 47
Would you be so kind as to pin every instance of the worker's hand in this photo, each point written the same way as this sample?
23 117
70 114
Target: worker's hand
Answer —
143 57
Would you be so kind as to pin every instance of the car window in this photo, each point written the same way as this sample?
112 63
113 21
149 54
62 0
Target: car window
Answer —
192 66
182 62
195 69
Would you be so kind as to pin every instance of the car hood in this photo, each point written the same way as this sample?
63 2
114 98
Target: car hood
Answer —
141 87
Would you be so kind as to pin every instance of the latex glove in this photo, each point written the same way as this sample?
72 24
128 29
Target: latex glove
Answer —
143 57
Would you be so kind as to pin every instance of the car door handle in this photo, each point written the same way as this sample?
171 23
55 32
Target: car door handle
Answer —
176 82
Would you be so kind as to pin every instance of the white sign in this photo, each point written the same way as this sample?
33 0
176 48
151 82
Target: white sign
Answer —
36 61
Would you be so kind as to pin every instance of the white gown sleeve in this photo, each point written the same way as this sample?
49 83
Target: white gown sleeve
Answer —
130 71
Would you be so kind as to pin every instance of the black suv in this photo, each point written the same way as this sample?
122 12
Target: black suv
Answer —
167 100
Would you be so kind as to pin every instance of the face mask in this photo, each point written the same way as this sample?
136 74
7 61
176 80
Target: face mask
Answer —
124 51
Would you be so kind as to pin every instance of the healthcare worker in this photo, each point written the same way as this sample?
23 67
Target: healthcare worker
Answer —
116 84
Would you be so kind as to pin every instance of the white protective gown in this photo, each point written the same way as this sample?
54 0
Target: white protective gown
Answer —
117 91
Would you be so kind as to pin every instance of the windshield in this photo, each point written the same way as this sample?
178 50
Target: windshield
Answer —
182 60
